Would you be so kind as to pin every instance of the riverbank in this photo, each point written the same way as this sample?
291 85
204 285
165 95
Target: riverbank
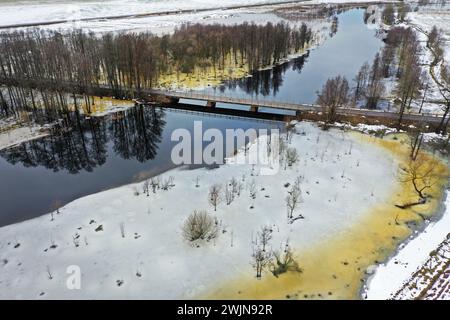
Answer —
12 133
339 269
130 245
417 266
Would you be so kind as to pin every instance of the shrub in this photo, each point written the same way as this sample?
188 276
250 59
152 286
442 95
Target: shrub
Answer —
200 226
285 262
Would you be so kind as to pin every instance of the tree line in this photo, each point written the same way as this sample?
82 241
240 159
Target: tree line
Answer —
399 59
435 44
44 70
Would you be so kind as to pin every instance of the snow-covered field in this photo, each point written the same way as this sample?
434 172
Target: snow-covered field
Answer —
398 279
72 11
153 261
29 11
43 11
165 24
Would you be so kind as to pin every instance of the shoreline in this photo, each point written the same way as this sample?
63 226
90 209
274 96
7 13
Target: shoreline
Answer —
326 252
429 219
351 231
402 256
120 204
15 137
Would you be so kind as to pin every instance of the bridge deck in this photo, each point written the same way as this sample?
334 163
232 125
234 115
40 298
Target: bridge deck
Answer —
416 117
238 100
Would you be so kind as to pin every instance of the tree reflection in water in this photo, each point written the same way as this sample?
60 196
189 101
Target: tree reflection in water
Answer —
266 82
134 133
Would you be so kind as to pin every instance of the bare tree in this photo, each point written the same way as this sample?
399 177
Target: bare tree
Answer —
409 85
409 72
215 196
154 183
234 185
252 189
293 198
375 87
416 139
146 187
229 195
445 93
334 94
239 188
265 235
167 183
421 173
361 80
424 94
260 260
49 273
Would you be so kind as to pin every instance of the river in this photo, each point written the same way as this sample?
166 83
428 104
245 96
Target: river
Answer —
135 144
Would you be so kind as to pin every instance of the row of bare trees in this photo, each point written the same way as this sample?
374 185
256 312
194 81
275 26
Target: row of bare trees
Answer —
399 59
38 69
435 44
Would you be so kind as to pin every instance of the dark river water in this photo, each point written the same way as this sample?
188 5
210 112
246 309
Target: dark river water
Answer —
299 80
135 144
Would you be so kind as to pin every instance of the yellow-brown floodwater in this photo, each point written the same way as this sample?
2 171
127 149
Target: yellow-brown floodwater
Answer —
337 269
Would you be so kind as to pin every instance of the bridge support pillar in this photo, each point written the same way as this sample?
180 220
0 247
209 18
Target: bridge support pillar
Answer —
298 114
210 104
254 108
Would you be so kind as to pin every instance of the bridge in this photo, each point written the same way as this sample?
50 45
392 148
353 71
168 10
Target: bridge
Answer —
211 100
168 98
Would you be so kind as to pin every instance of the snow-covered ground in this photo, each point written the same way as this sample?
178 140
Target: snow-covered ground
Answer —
75 10
153 261
43 11
367 128
439 17
30 11
392 280
423 21
15 136
166 24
